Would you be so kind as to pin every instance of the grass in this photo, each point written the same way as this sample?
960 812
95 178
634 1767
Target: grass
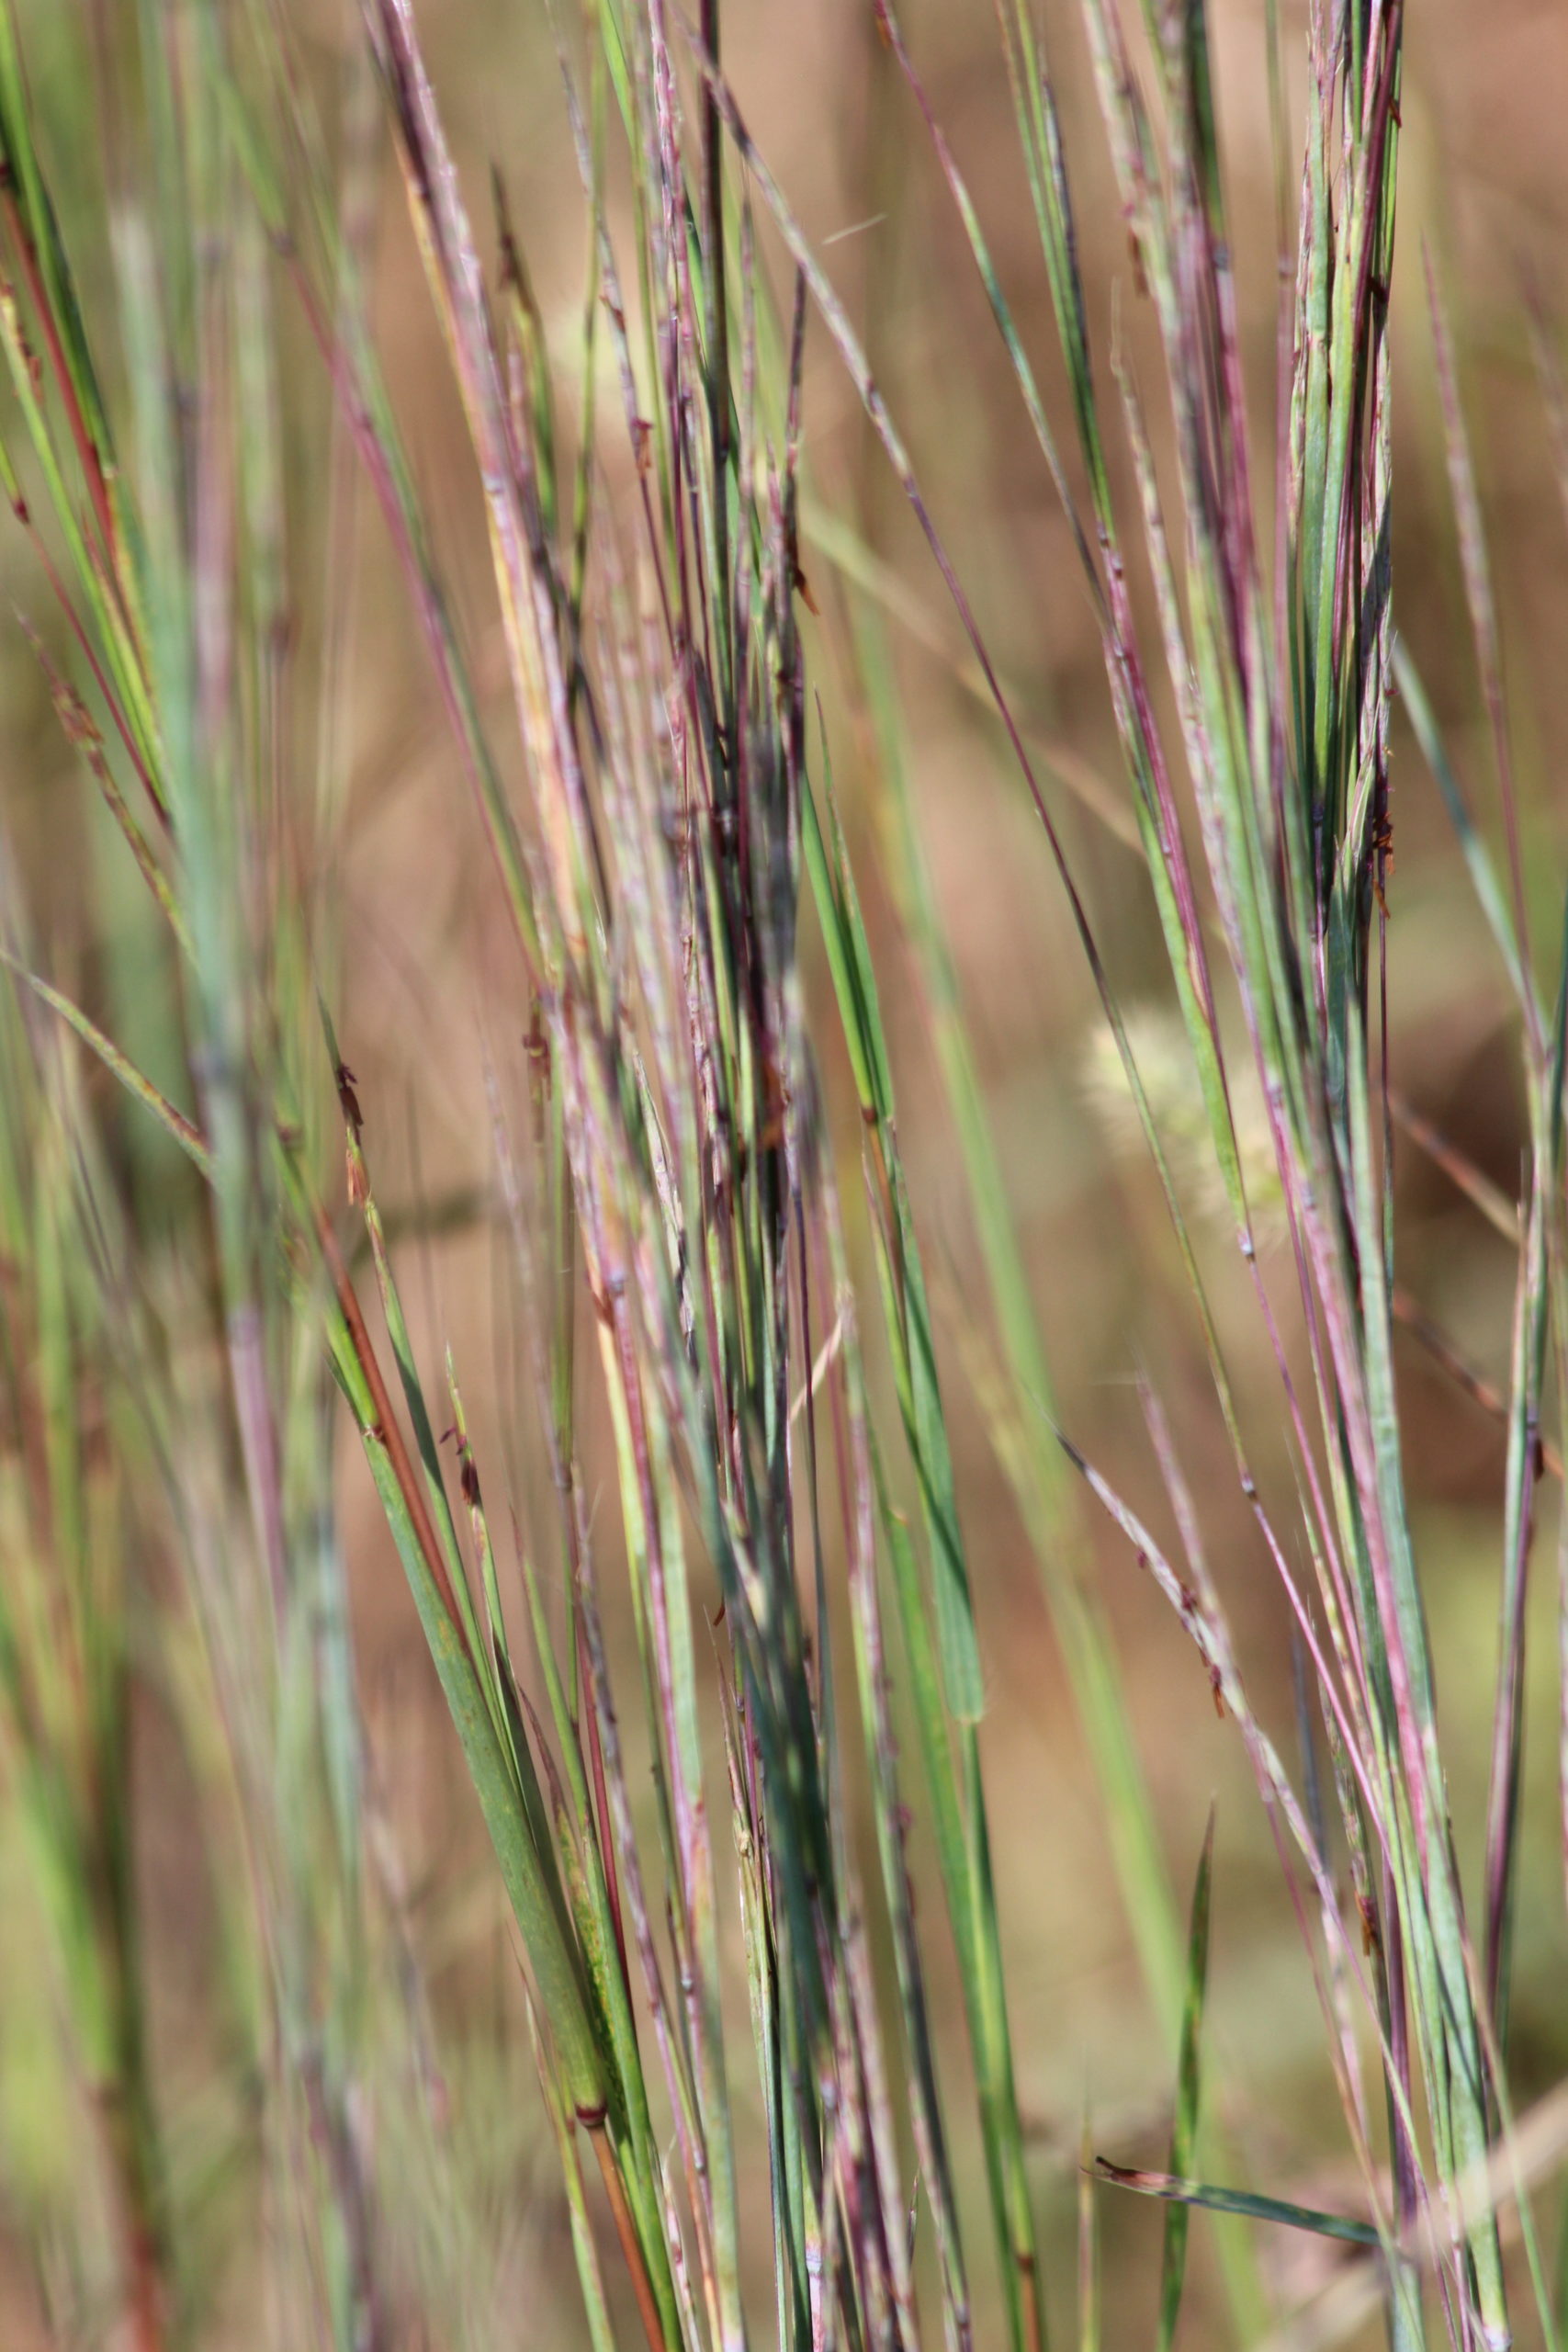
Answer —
697 1572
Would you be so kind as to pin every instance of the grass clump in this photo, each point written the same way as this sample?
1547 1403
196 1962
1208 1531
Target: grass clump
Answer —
784 1586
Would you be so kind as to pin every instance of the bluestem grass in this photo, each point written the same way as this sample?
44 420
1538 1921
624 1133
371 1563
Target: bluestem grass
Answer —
655 911
668 1177
1284 704
66 1680
172 594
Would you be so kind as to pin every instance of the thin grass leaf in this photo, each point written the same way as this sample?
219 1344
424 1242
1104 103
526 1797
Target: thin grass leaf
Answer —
1184 2127
1089 2333
1242 2202
174 1123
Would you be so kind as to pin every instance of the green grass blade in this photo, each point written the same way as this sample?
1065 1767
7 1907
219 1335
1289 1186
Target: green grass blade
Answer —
1242 2203
174 1124
1184 2130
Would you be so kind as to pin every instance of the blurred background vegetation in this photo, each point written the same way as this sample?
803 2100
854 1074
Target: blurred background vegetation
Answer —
444 2136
